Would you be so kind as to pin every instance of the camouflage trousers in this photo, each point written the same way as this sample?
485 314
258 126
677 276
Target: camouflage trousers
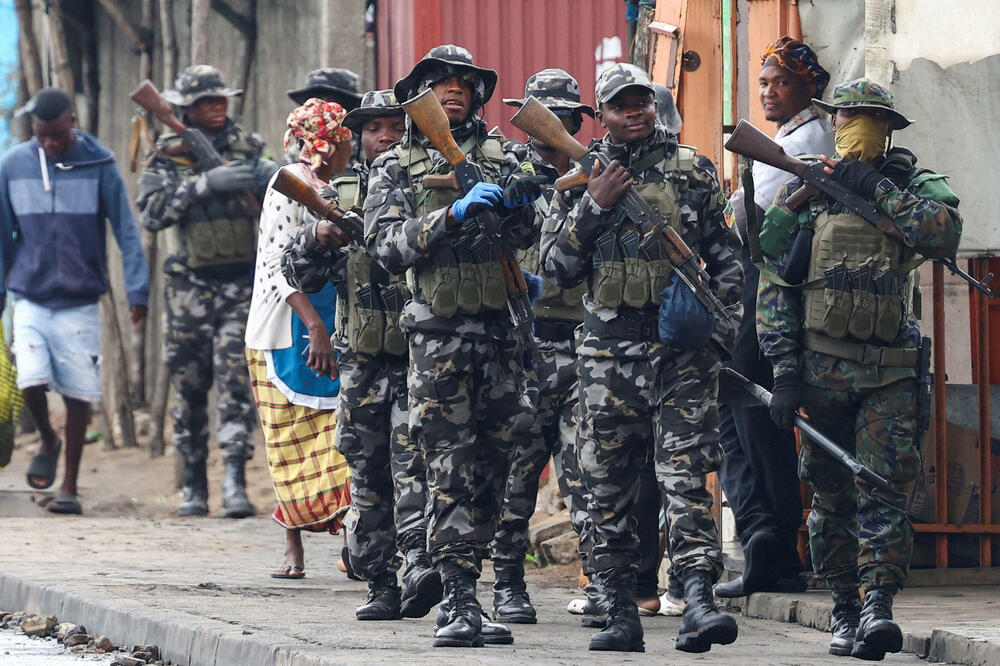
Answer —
204 340
851 535
371 423
638 398
467 407
553 389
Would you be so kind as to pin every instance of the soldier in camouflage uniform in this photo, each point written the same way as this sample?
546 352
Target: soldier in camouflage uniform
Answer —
467 402
557 314
637 394
211 239
372 417
844 346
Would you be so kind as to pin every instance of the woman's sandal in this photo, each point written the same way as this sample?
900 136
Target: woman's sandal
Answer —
289 571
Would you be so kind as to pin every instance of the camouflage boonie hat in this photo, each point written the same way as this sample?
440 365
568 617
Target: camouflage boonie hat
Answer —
331 83
864 93
554 88
375 104
198 81
444 55
619 76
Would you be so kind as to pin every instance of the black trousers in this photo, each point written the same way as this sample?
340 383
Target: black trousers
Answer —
759 473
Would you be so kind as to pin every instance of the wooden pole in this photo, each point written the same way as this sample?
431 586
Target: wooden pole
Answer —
199 31
246 61
62 69
940 418
169 42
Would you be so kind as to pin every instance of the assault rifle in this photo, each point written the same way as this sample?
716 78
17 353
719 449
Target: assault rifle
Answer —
543 125
749 142
733 387
205 154
426 111
300 191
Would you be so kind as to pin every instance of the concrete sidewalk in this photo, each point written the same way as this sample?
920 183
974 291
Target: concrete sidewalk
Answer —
200 590
951 624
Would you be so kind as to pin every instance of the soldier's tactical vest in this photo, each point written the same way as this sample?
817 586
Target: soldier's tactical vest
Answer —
858 281
631 267
555 302
369 305
217 230
464 275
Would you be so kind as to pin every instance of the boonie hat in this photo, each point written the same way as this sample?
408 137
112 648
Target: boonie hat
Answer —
198 81
375 104
446 55
864 93
555 89
332 82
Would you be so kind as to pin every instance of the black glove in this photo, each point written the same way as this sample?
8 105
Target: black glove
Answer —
860 177
785 401
227 178
523 190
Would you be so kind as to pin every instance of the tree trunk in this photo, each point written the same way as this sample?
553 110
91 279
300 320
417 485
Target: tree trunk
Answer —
31 60
246 61
62 69
169 42
199 31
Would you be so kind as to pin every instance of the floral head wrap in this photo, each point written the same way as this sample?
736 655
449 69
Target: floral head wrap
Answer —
799 59
317 125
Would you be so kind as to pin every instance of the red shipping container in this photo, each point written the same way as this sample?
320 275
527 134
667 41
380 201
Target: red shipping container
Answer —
515 37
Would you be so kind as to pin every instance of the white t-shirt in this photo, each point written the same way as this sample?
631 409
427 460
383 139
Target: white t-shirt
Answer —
805 133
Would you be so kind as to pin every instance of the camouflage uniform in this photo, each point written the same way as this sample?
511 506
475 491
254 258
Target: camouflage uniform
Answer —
635 393
467 402
208 299
553 380
866 407
372 416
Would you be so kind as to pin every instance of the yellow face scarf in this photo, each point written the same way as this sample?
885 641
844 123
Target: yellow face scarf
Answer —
861 138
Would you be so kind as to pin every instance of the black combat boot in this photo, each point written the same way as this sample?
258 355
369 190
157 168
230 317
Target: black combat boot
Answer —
195 490
844 621
235 503
421 584
494 633
623 631
702 624
595 612
510 595
877 633
383 599
464 626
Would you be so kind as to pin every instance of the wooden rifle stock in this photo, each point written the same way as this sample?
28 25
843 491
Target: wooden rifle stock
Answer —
750 142
538 121
300 191
149 98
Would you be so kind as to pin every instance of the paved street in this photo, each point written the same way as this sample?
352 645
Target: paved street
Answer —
201 590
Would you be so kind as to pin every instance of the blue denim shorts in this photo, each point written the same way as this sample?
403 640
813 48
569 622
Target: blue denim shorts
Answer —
60 349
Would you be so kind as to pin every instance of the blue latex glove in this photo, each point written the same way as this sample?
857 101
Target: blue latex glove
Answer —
481 197
684 323
534 283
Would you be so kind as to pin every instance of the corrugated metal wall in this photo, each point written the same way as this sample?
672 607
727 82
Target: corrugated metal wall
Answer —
515 37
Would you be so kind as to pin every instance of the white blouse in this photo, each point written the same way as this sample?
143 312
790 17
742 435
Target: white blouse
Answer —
269 325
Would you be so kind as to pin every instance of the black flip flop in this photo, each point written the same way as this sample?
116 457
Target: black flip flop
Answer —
64 503
289 571
44 465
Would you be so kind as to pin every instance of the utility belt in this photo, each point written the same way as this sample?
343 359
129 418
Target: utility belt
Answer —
555 330
630 324
462 278
859 352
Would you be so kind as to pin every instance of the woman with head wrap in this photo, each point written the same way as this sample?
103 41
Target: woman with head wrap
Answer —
292 365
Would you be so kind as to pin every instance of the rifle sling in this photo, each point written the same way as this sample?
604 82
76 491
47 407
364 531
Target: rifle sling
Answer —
753 223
